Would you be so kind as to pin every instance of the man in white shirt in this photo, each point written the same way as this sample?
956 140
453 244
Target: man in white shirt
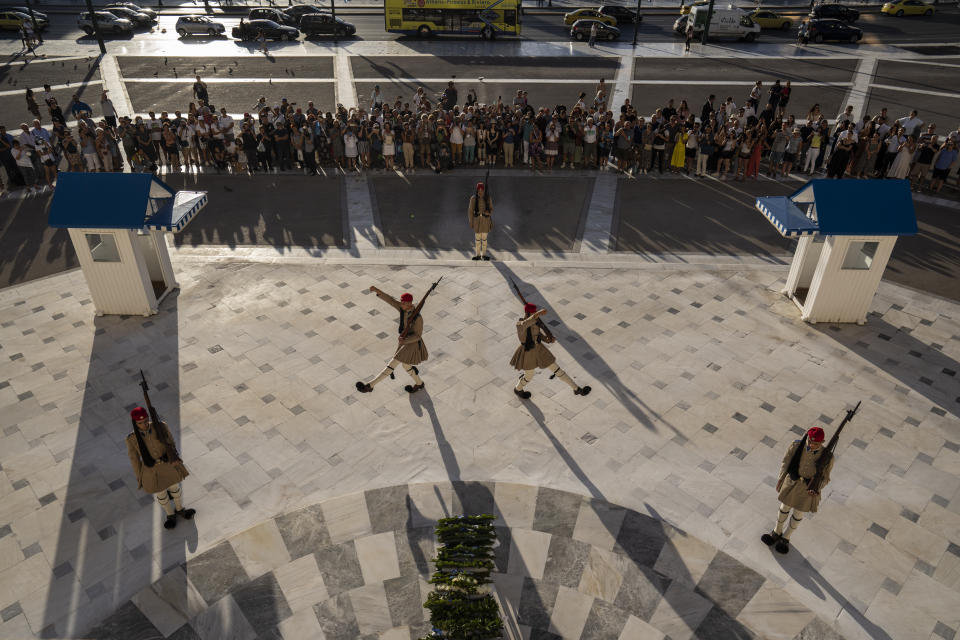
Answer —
26 138
376 98
225 126
911 124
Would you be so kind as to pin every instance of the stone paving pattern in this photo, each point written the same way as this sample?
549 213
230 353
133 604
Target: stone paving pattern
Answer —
701 379
567 566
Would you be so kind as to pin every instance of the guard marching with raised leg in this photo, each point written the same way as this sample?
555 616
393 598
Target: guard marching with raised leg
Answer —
804 472
532 354
480 218
155 460
411 350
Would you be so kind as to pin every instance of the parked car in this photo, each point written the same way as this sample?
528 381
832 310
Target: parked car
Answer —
907 8
622 14
36 14
297 11
588 14
835 12
13 20
822 30
198 25
133 7
769 20
271 30
324 24
107 22
581 30
727 22
268 13
138 19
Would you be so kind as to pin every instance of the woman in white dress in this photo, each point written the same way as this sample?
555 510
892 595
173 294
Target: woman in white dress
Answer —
389 146
901 165
350 148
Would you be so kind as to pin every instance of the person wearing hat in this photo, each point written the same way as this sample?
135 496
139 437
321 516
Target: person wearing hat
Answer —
532 354
157 465
479 218
410 351
798 468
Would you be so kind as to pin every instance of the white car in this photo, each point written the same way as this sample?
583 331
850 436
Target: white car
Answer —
107 22
198 25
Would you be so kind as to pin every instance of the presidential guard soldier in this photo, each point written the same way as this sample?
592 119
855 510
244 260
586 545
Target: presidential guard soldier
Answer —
410 351
157 465
532 354
479 216
798 469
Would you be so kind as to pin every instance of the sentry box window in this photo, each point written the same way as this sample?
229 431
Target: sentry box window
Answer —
103 247
860 255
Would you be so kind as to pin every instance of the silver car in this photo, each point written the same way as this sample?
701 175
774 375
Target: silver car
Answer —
107 22
198 25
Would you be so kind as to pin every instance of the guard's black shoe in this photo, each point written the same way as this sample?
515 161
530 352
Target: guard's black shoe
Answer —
783 545
582 391
475 258
413 388
769 538
487 258
363 387
523 395
186 514
170 522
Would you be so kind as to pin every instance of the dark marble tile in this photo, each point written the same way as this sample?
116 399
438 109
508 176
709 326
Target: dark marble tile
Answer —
185 632
337 619
126 623
641 591
473 498
729 584
403 600
536 603
303 531
641 538
543 634
415 548
605 622
817 629
216 572
340 567
262 603
566 558
501 553
388 508
719 626
556 512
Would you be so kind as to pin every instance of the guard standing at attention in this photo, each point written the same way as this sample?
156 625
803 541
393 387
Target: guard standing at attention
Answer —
479 216
797 470
532 354
410 351
157 465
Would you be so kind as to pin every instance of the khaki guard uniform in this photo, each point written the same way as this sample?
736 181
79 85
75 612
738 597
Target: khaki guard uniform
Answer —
538 357
412 351
793 493
479 217
163 474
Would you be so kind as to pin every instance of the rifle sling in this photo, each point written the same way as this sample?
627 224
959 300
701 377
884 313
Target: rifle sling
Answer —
793 469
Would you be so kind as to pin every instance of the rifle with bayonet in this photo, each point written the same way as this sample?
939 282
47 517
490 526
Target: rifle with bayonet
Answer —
827 455
416 311
547 334
172 454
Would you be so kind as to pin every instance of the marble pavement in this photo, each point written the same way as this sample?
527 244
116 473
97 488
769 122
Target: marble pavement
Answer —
701 379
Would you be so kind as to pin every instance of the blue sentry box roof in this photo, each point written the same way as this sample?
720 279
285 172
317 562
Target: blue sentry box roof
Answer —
844 208
104 200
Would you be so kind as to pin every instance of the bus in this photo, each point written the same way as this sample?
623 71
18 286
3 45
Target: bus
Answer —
486 18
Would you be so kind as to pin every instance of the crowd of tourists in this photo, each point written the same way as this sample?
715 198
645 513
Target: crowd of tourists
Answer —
439 133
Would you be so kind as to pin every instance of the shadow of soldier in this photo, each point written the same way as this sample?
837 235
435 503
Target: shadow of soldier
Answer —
111 543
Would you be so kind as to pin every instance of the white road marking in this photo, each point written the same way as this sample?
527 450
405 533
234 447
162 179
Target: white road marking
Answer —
55 87
927 92
860 91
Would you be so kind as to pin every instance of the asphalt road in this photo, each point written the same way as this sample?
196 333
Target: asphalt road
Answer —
878 29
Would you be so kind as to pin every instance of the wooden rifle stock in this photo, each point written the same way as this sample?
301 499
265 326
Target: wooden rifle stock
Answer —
824 461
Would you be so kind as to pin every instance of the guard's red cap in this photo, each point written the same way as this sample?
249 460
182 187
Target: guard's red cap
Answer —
139 413
815 434
481 186
407 297
529 308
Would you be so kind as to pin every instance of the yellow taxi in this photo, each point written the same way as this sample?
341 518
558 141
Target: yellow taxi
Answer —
686 8
769 20
11 20
588 14
907 8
